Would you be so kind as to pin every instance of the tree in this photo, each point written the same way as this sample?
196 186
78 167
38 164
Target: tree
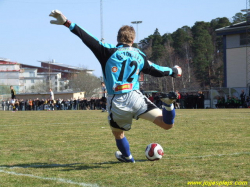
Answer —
203 50
157 47
4 89
182 44
239 17
217 66
85 82
38 87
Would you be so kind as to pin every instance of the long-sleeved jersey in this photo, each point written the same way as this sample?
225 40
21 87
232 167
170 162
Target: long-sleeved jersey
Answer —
121 64
13 94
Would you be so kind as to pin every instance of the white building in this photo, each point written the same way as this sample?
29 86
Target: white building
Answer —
11 74
236 52
27 78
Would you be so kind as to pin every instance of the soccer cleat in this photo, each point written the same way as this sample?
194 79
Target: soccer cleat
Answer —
169 98
177 71
122 158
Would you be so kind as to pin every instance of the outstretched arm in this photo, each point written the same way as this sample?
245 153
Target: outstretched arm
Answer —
95 45
160 71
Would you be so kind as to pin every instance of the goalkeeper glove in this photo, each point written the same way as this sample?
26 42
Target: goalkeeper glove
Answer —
60 18
177 71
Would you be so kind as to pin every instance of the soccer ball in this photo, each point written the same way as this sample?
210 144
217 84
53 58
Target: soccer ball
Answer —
154 151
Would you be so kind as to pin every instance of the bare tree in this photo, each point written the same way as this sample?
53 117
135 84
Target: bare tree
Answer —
37 87
85 82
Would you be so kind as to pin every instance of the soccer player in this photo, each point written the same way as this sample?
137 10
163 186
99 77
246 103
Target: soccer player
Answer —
51 99
121 66
13 97
104 95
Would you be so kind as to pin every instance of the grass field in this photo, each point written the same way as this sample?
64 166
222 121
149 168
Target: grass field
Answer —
76 148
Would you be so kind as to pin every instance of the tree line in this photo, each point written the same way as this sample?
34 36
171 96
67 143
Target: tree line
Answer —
197 49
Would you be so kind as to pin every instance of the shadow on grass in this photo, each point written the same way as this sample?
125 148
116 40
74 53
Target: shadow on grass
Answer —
66 167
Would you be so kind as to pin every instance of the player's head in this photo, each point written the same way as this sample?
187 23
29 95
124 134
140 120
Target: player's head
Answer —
126 34
11 87
102 83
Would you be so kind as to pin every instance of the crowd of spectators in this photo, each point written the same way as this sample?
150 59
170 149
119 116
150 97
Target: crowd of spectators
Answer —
184 101
58 104
234 102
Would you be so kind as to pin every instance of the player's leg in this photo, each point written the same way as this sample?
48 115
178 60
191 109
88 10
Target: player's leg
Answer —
120 120
156 116
124 154
164 118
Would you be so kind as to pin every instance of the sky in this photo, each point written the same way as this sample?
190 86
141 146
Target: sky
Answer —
26 35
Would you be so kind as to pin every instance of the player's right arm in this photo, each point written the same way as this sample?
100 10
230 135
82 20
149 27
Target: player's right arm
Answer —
102 51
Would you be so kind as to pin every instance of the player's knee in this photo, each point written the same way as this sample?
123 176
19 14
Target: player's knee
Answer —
168 126
118 134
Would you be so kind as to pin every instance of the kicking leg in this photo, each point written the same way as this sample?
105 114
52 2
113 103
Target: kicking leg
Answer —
163 118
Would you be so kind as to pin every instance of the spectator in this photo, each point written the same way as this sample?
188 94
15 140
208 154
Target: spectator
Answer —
16 107
30 104
3 105
177 102
220 102
248 102
151 98
243 98
200 100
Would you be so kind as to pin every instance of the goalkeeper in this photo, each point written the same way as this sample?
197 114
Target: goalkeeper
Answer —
121 66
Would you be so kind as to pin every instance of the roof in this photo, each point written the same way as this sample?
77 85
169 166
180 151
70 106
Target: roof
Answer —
46 93
3 61
64 65
234 29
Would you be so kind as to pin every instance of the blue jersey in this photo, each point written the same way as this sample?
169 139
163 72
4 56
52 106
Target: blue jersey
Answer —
121 64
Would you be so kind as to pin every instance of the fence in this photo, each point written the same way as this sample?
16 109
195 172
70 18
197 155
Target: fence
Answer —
211 96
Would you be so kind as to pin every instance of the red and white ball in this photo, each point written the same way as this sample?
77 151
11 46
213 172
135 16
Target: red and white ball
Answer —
154 151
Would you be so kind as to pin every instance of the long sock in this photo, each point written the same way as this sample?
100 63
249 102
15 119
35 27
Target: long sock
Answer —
168 113
123 146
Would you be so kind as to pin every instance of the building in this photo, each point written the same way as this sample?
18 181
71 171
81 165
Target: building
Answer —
46 95
236 44
11 74
67 71
50 75
28 78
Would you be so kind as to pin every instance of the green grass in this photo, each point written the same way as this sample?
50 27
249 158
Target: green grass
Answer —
76 148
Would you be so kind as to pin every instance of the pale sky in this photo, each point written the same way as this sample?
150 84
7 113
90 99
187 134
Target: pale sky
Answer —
26 35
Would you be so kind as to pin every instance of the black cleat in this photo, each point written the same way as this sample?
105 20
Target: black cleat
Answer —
169 98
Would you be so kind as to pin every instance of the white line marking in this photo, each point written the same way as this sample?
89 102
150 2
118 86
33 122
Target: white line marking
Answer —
53 124
93 185
51 179
205 156
245 153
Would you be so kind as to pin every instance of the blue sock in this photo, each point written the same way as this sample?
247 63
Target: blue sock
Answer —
123 146
168 113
